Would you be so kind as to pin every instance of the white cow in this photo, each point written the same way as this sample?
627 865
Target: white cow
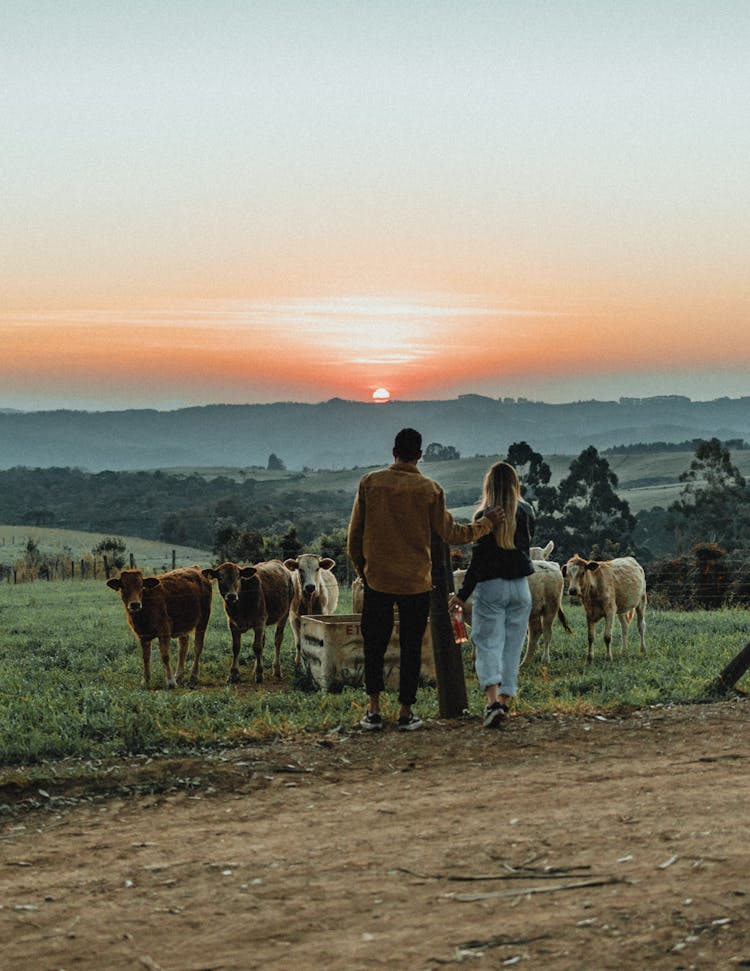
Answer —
546 586
608 588
315 590
541 552
535 552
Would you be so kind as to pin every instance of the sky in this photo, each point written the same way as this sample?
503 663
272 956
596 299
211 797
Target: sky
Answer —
279 200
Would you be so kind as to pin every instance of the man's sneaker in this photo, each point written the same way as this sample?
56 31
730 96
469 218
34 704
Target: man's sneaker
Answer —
495 714
371 723
408 723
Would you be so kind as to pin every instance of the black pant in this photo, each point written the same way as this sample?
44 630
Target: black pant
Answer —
377 627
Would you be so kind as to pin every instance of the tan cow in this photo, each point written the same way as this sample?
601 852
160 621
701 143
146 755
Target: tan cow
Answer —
255 597
167 605
608 588
316 590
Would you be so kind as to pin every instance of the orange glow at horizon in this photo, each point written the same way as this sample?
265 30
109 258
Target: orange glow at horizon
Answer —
315 349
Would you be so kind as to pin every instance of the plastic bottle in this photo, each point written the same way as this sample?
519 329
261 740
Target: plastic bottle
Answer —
459 625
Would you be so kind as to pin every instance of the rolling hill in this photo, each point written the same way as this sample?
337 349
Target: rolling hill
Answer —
339 434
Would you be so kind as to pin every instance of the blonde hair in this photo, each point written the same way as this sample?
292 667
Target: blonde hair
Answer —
502 487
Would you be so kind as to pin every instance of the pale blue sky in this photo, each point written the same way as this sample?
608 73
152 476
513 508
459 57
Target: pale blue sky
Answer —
584 162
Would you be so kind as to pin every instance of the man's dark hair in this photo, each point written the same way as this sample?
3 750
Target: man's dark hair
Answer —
408 444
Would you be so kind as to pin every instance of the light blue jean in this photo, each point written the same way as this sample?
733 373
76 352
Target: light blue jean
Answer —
499 620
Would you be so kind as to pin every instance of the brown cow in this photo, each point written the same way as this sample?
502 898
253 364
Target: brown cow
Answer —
255 597
606 588
316 590
165 606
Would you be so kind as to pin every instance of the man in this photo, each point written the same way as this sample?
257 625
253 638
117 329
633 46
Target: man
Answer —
395 512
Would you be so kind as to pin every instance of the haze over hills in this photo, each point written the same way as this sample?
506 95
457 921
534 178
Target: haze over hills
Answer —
339 434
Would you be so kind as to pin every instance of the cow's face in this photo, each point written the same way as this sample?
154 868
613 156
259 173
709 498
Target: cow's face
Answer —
309 566
131 584
577 571
229 576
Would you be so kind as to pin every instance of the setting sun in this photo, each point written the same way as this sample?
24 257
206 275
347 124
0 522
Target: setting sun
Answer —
381 395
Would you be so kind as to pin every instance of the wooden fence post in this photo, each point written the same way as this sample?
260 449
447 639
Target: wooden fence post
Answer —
449 665
731 673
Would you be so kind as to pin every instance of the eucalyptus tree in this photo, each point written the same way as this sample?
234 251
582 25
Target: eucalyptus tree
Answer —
592 519
714 503
534 474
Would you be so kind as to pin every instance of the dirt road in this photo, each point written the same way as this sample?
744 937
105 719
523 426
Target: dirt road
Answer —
562 843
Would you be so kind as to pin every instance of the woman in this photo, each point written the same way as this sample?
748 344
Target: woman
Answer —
497 576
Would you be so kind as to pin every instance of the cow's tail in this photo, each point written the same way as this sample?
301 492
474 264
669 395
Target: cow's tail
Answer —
564 621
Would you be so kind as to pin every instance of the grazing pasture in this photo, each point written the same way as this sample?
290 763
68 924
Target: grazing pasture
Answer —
71 672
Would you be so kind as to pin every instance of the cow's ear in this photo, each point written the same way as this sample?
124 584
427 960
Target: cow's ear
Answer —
114 584
327 563
151 582
564 569
592 565
291 564
248 571
208 573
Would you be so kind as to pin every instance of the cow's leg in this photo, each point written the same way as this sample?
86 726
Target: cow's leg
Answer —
260 636
547 620
200 636
165 643
534 633
591 631
640 613
146 652
277 639
234 671
184 642
624 627
608 619
296 627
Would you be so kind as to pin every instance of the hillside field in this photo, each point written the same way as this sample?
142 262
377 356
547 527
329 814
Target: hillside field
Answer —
646 479
77 544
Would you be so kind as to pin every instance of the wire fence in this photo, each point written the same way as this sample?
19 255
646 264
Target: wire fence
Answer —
103 567
705 578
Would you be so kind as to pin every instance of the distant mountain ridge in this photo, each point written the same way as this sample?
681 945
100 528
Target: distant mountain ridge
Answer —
339 434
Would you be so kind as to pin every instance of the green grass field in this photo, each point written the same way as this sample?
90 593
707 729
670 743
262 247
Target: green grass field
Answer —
70 678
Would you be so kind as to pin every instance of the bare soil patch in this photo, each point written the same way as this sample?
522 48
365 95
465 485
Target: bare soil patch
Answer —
561 843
